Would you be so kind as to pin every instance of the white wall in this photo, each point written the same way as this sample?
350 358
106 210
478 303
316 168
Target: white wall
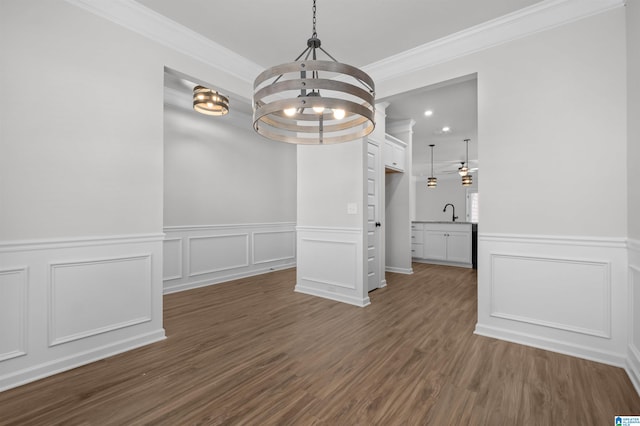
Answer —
330 249
549 104
633 159
81 186
218 171
431 201
229 198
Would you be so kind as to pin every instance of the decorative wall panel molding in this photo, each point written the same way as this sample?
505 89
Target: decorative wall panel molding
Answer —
633 350
330 264
13 312
215 253
172 259
271 246
74 301
565 294
97 296
219 253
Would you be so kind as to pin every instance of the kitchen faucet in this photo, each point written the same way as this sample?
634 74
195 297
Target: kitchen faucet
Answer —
454 217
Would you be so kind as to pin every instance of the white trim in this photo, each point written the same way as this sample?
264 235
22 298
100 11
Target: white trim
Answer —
154 26
53 340
225 226
552 345
24 312
40 371
49 244
539 17
632 367
442 262
406 271
226 268
633 245
333 296
555 239
168 289
180 255
344 230
606 299
253 246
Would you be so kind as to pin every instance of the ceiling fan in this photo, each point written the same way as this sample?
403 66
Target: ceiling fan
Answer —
459 170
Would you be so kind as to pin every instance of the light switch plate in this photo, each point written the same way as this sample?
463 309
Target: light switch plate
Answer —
352 208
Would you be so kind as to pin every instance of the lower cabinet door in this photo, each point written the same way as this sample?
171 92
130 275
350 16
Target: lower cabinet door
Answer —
459 247
417 250
435 245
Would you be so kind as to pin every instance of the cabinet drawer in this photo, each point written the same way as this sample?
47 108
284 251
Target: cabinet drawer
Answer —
417 236
417 226
417 250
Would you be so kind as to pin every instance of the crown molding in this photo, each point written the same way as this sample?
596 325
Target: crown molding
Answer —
530 20
154 26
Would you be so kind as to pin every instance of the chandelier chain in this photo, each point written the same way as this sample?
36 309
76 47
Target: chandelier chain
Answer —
315 34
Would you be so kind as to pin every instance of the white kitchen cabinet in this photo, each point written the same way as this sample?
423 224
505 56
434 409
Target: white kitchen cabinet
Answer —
448 243
394 153
417 240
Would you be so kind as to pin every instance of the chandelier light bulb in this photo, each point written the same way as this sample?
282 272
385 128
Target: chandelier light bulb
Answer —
338 114
290 112
318 109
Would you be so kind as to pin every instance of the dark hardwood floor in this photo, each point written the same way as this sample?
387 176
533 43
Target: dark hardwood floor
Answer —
254 352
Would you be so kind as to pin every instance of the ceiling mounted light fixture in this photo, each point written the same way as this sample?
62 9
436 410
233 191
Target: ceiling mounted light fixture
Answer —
432 181
467 179
292 103
210 102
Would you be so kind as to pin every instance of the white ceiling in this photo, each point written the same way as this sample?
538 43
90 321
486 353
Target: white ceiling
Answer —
359 32
356 32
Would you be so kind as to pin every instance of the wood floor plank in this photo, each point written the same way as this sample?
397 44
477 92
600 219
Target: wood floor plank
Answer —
252 351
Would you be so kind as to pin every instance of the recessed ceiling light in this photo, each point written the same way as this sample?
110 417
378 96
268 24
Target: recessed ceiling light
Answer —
428 113
446 129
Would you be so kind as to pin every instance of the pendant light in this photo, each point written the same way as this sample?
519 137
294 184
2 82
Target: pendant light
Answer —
432 181
467 179
293 103
210 102
463 169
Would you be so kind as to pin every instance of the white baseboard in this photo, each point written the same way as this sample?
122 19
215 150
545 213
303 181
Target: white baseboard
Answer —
443 263
40 371
168 288
333 296
633 367
406 271
551 345
383 284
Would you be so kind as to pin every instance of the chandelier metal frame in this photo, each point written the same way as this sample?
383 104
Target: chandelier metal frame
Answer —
292 103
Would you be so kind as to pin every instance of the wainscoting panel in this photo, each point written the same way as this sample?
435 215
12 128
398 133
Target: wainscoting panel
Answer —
633 350
172 259
567 294
214 253
219 253
273 246
13 311
65 303
564 294
330 264
92 297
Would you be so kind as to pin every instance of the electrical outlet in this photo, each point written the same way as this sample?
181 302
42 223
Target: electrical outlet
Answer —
352 208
